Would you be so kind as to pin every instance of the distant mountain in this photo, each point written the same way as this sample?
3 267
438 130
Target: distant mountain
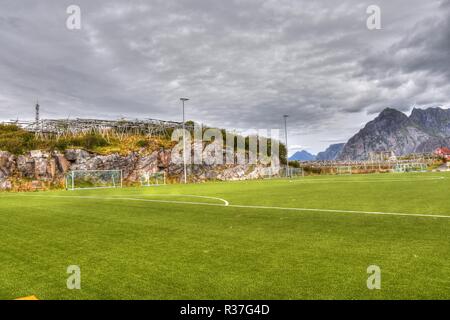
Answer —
331 153
434 121
392 130
302 156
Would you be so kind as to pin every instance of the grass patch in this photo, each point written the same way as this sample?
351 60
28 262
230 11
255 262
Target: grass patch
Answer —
148 250
18 141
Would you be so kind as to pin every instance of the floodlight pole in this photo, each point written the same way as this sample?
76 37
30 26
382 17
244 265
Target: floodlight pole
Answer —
184 142
286 141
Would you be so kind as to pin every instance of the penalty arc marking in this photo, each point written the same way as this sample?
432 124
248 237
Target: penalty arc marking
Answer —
225 202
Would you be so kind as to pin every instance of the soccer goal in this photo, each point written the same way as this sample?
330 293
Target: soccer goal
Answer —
153 179
344 170
283 172
94 179
410 167
295 172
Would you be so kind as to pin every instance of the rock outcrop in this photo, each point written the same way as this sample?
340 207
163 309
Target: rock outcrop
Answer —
39 169
7 168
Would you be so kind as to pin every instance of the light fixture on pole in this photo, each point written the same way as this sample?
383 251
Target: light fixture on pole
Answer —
286 141
184 141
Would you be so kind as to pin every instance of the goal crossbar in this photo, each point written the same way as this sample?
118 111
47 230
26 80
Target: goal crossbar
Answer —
93 179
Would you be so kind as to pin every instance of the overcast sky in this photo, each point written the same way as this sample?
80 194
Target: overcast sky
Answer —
242 63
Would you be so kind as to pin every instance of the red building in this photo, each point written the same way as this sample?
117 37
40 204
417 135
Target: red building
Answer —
443 152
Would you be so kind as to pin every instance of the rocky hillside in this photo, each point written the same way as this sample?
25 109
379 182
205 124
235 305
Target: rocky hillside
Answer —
331 153
392 130
44 169
29 161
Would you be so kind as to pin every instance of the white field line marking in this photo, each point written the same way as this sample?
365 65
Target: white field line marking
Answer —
226 203
344 211
368 180
254 207
112 197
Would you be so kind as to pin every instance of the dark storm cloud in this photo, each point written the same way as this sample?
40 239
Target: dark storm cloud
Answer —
243 63
416 69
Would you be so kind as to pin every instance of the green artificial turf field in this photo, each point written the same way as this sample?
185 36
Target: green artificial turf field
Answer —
185 242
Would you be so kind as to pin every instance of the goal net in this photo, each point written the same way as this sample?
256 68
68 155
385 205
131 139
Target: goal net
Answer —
410 167
344 170
295 172
283 172
269 172
153 179
94 179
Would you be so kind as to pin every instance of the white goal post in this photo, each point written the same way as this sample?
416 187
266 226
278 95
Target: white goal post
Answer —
410 167
153 179
94 179
295 172
344 170
280 172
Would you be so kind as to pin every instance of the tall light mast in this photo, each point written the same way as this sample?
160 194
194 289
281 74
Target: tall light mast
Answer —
37 112
286 141
183 100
